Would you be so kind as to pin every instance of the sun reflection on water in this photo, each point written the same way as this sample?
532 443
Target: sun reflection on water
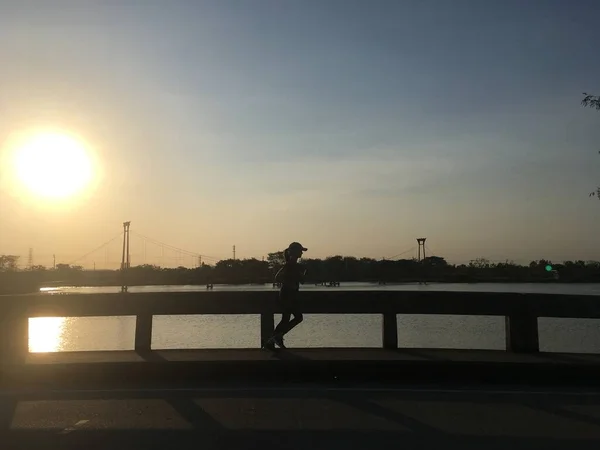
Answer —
46 334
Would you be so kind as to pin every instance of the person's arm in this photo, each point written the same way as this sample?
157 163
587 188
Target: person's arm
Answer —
302 274
279 275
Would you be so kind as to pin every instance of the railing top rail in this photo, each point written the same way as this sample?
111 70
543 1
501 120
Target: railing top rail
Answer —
318 302
308 292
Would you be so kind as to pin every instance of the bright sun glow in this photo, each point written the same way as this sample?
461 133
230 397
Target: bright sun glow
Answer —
53 165
45 334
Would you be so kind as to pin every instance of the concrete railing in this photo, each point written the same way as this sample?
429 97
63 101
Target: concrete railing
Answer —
521 311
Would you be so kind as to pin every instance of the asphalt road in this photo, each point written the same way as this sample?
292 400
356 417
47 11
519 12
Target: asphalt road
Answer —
300 416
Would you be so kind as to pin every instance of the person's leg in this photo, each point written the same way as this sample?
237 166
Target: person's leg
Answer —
285 300
284 328
277 336
283 323
297 320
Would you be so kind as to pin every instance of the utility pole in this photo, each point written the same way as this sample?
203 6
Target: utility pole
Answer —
199 260
234 252
54 262
30 259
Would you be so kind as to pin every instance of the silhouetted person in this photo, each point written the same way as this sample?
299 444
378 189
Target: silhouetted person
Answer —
290 276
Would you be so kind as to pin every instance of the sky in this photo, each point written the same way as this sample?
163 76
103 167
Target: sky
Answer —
353 127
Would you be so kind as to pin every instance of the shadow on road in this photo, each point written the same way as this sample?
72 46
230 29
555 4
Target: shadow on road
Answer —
293 440
7 411
185 406
291 417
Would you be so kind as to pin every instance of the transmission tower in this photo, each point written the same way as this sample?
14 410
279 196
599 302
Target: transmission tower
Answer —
421 242
30 259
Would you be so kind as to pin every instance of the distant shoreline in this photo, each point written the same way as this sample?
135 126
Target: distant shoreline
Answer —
374 283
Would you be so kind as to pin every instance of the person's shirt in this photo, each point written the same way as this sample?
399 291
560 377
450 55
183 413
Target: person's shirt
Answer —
290 276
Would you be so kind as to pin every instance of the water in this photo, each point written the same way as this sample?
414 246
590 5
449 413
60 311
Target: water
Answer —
352 330
543 288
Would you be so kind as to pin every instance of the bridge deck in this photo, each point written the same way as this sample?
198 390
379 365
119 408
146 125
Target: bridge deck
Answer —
299 417
113 400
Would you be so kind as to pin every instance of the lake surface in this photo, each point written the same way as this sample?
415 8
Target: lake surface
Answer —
317 330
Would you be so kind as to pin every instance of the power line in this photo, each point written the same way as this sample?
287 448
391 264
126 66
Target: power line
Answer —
402 253
176 249
162 244
172 247
96 249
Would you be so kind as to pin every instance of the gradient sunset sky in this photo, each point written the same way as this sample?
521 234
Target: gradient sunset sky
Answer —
351 126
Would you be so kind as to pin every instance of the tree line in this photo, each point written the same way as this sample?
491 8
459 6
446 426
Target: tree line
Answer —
335 268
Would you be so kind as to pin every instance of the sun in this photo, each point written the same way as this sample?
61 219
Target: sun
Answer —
53 165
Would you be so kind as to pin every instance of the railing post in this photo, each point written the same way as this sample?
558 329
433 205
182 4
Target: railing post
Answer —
143 333
267 326
390 331
21 347
522 333
14 347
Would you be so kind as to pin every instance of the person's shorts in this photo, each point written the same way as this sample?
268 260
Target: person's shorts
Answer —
289 301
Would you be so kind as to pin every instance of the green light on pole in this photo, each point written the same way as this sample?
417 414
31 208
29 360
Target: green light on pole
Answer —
548 268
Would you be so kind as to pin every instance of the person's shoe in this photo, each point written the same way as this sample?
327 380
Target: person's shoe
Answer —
279 341
269 344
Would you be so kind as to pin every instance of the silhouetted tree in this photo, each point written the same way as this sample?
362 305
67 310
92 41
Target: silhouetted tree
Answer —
9 262
591 101
68 268
334 268
435 261
275 260
480 263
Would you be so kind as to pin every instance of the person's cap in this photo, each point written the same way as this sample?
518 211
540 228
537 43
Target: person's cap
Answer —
297 246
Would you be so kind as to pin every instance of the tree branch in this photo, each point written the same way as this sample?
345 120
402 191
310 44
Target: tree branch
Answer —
591 101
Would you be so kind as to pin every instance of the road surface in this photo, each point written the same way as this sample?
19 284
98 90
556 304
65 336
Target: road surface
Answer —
300 416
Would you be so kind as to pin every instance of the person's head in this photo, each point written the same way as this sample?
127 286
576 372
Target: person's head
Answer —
294 251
